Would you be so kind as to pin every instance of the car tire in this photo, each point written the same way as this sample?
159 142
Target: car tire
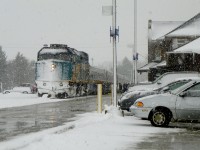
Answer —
25 92
159 118
6 92
40 95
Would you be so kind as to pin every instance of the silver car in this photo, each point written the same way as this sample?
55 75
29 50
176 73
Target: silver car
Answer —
128 99
180 104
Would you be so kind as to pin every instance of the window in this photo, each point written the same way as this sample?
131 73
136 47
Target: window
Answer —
194 91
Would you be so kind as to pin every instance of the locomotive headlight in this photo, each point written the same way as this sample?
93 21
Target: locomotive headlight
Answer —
53 66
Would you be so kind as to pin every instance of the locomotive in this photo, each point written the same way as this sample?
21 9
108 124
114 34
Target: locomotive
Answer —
62 71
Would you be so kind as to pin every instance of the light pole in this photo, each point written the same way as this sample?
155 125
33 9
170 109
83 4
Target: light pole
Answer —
113 34
135 55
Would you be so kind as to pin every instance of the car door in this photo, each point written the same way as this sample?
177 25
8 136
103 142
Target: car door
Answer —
188 103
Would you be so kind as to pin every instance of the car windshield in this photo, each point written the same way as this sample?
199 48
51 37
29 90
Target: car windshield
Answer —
178 90
172 86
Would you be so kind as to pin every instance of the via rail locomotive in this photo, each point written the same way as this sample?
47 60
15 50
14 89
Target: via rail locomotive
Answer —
62 71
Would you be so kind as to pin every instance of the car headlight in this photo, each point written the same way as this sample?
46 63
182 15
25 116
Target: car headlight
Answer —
139 104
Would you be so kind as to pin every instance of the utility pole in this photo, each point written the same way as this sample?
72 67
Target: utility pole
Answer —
114 32
135 54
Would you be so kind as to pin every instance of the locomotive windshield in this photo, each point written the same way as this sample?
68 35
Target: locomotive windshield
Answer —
60 54
84 57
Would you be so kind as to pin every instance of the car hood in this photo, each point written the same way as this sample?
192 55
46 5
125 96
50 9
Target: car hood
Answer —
158 100
136 94
142 87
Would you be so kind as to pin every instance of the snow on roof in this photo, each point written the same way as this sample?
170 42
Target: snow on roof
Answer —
52 51
160 28
147 66
76 52
192 47
161 64
189 28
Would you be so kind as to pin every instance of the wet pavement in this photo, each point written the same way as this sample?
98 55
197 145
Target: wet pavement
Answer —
186 140
21 120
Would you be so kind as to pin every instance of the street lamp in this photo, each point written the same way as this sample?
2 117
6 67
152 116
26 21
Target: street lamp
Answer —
114 33
135 54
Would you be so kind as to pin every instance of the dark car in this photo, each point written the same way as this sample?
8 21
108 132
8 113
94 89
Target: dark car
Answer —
128 99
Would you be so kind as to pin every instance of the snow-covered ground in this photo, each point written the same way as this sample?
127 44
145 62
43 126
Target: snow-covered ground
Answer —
16 99
90 131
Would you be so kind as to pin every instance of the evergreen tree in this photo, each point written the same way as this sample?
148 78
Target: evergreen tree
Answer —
2 69
125 68
31 72
10 75
21 67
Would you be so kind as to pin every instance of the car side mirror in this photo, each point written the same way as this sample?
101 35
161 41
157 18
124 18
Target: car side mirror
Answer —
165 89
183 94
159 82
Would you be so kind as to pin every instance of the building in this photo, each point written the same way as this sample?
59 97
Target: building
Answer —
164 40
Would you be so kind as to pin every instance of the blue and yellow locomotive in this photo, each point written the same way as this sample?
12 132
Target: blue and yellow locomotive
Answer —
62 71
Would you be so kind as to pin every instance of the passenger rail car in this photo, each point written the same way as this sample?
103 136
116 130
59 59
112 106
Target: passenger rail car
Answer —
62 71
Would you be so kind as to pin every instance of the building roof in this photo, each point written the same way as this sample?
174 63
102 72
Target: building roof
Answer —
192 47
188 28
160 28
146 67
161 64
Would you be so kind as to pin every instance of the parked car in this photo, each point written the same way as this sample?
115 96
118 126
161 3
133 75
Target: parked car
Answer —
32 86
165 79
128 99
181 104
24 88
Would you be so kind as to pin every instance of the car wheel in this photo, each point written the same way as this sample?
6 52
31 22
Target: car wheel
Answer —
25 92
6 92
160 118
40 95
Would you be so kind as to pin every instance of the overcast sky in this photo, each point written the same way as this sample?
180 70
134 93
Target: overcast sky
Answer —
28 24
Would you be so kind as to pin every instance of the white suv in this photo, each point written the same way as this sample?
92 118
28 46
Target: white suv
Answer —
20 89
